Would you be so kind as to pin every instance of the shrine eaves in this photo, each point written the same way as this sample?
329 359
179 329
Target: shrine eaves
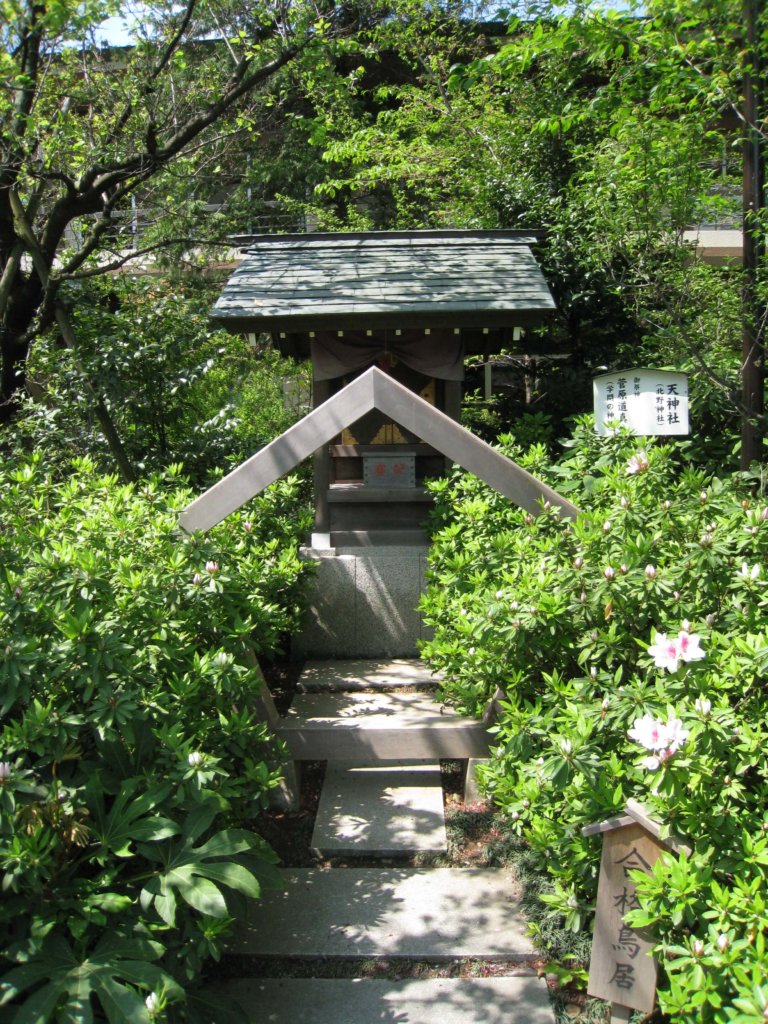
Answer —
293 286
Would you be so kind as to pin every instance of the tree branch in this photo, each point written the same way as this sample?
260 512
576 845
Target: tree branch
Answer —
64 323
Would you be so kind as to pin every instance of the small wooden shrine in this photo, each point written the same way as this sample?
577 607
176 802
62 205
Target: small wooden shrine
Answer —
414 305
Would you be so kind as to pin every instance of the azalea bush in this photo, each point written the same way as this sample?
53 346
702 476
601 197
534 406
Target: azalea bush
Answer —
631 650
133 758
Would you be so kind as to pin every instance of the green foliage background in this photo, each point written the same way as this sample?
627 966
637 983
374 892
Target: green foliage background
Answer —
558 615
134 758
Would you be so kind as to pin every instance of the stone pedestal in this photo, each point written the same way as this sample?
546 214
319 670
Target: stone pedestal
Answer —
364 602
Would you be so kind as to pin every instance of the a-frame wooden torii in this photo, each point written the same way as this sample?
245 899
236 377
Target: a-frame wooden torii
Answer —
373 390
444 736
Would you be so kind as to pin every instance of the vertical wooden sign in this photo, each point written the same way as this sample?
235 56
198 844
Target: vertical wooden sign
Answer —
621 969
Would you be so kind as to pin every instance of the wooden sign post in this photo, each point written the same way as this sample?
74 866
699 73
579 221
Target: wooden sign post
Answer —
621 969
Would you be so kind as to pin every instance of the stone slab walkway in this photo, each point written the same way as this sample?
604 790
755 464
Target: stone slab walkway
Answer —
379 810
507 1000
365 674
423 913
373 804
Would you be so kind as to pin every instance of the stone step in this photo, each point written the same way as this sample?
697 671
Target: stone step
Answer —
505 1000
423 913
378 726
365 674
380 810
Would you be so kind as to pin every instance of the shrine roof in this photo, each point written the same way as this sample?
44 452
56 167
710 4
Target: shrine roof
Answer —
381 280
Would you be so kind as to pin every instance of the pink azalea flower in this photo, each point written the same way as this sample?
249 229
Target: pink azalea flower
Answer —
637 463
674 736
647 731
689 646
663 739
665 653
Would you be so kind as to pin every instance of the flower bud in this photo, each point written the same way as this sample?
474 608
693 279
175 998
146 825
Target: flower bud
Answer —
623 569
529 520
6 771
212 567
676 594
703 498
499 594
667 504
706 540
624 502
722 942
514 815
248 526
764 514
607 526
593 672
605 705
609 572
547 506
17 593
152 1003
697 947
525 804
578 562
195 759
745 503
685 626
221 659
566 746
197 579
703 705
710 620
650 572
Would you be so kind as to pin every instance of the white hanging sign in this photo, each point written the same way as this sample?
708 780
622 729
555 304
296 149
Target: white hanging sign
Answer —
643 401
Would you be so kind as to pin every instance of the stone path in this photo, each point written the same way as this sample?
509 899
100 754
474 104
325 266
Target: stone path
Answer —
341 915
507 1000
381 810
434 913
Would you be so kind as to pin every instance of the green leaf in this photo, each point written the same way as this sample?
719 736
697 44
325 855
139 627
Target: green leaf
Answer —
203 895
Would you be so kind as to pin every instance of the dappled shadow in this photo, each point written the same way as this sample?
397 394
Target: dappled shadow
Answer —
366 674
382 810
508 1000
435 913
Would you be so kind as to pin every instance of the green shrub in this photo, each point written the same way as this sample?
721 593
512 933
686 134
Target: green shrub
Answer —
565 618
132 757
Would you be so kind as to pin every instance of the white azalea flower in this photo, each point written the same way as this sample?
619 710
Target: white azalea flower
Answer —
665 653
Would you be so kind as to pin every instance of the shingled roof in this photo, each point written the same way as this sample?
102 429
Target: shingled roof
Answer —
375 280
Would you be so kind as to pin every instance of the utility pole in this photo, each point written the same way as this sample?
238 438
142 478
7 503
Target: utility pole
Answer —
753 349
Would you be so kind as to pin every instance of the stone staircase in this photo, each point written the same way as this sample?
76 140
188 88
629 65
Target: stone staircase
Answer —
382 732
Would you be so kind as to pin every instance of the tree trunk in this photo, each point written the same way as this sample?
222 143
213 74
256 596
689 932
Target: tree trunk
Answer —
13 360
